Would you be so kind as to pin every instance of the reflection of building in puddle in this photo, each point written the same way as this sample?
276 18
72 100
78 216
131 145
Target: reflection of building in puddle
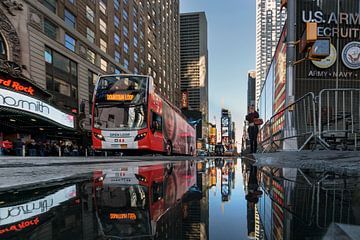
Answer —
301 204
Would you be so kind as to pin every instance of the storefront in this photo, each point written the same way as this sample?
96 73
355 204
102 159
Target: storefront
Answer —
26 112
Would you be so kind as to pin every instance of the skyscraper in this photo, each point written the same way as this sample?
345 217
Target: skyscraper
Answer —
194 63
269 22
251 88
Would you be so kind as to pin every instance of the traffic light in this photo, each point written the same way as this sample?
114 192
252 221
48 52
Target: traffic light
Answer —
320 49
309 37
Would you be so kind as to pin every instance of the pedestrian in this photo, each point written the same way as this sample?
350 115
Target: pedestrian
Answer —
32 147
19 147
253 129
42 149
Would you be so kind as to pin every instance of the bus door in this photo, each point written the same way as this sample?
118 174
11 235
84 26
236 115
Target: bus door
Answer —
156 131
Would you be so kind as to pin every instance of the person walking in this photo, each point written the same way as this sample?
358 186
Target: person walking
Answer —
19 147
253 129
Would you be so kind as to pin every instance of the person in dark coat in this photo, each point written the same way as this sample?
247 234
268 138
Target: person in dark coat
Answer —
253 129
19 147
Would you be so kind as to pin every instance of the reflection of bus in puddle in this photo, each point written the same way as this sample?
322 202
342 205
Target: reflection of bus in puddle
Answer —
131 201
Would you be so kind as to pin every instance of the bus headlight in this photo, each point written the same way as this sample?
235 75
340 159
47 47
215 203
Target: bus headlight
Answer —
99 136
140 136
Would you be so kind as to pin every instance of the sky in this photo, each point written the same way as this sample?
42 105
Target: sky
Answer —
231 49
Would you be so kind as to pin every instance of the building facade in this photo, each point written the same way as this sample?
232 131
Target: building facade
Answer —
251 88
60 46
269 22
194 64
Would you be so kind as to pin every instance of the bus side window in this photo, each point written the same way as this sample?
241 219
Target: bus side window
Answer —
156 122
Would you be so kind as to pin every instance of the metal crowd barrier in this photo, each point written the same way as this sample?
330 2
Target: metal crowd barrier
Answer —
339 117
296 122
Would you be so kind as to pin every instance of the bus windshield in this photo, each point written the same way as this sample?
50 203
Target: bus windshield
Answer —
120 102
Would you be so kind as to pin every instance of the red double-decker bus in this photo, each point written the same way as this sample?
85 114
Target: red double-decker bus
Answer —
129 114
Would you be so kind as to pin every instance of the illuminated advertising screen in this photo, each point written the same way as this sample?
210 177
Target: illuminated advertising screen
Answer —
213 135
19 101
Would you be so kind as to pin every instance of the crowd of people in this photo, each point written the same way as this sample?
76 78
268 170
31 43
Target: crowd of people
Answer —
42 148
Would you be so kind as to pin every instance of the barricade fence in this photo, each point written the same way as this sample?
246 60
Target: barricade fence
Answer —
292 127
332 120
339 117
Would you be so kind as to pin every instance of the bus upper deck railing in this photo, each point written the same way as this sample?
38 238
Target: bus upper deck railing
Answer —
332 119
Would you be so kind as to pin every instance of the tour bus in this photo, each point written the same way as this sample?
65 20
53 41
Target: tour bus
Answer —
130 201
128 113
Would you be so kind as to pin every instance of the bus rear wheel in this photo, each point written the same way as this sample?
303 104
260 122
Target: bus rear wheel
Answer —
168 149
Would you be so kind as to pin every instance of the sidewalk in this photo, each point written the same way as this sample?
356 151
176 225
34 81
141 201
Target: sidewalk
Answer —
336 161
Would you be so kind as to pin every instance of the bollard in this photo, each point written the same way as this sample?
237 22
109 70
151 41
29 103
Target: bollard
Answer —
59 149
23 151
86 152
106 154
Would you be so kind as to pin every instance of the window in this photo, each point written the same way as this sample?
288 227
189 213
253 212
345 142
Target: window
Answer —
117 56
50 4
90 56
116 39
69 18
90 35
135 27
61 76
50 29
126 47
135 42
116 21
126 63
126 31
136 57
141 34
70 42
92 78
90 14
116 4
102 26
103 64
149 57
136 70
135 12
117 71
103 45
125 2
102 6
125 15
72 1
48 55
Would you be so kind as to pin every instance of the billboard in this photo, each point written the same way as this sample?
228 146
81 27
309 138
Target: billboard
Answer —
19 101
212 135
341 69
184 99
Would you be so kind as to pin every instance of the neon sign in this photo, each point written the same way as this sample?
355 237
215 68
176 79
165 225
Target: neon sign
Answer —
119 97
20 226
17 86
131 216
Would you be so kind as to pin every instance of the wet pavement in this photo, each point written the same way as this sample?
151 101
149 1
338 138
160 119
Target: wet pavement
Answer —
175 198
